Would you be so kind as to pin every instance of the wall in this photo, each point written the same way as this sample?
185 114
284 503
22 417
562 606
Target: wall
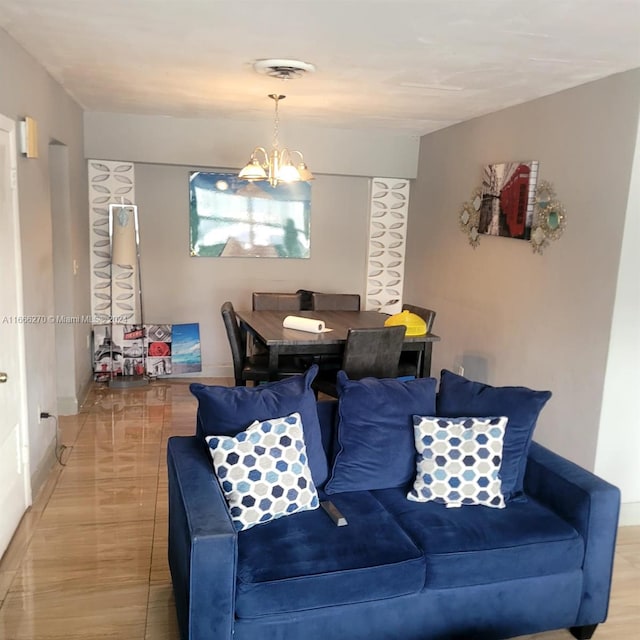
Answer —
510 316
28 90
228 143
177 288
618 451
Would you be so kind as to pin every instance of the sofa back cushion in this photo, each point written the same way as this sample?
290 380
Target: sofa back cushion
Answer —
226 411
375 448
460 397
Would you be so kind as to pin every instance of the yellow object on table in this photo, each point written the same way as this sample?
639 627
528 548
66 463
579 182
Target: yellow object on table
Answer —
415 325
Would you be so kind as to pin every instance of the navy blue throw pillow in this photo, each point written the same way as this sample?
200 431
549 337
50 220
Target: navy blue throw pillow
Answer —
226 411
376 447
459 397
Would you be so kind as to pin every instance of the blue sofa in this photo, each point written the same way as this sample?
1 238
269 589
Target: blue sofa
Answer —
400 569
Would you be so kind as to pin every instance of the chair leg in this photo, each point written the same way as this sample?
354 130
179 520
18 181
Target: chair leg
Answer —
583 633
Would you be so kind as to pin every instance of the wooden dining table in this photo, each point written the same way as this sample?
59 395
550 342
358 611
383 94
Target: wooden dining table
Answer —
266 327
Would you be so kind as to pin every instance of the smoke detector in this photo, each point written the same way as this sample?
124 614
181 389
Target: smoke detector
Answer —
283 68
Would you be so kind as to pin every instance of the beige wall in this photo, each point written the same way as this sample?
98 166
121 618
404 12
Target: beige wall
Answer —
228 143
26 89
511 317
177 288
618 452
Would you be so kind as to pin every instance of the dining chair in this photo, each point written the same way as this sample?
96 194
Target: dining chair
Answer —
367 353
411 361
305 299
255 367
264 301
427 315
335 301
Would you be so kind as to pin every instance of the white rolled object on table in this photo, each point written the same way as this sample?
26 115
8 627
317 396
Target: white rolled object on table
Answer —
303 324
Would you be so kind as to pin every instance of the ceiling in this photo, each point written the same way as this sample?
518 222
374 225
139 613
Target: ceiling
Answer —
408 65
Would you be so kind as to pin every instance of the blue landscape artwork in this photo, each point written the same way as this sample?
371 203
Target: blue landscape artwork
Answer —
185 353
233 218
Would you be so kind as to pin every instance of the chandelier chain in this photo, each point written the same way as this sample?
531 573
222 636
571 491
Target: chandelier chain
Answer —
276 126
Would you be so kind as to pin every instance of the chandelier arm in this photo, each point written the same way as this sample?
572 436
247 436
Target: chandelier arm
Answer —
292 151
264 161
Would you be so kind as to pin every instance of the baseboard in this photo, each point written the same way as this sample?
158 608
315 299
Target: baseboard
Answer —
629 514
40 475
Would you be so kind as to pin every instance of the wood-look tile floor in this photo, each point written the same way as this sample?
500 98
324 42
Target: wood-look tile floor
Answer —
89 560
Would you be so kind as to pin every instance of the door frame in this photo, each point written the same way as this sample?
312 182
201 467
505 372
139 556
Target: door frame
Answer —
20 378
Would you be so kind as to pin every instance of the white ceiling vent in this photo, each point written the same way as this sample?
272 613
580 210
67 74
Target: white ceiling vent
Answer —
283 69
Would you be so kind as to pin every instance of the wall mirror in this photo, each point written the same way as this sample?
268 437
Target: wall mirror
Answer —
550 218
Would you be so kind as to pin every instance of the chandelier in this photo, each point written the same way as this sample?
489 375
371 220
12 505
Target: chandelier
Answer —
277 165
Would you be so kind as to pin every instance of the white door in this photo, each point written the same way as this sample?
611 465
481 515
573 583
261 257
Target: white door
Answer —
15 485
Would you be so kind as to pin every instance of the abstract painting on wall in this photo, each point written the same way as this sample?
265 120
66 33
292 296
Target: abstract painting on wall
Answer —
234 218
508 198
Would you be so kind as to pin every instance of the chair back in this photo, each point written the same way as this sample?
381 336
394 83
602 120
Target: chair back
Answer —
427 315
305 299
263 301
373 352
335 301
236 342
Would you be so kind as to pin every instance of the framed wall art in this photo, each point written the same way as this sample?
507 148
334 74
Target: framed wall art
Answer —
512 202
508 199
234 218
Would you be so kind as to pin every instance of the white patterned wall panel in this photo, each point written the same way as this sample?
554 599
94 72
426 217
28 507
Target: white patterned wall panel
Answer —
387 239
110 182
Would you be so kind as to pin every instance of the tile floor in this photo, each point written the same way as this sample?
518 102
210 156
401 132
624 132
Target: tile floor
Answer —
88 561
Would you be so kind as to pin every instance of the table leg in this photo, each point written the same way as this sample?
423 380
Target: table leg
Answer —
274 357
425 361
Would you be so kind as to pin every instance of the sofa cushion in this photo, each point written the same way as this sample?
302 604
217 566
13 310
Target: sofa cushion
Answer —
458 461
263 471
458 396
375 432
225 411
477 545
305 561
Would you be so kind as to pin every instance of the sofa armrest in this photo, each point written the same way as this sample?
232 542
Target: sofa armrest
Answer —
591 505
202 544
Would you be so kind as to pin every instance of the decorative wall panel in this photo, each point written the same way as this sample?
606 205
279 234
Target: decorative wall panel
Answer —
387 238
110 182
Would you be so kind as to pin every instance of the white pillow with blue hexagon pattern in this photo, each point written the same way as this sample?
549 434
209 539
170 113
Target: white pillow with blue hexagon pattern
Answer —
264 472
458 461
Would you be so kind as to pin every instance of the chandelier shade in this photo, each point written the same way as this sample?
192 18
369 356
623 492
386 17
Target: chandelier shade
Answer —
277 165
